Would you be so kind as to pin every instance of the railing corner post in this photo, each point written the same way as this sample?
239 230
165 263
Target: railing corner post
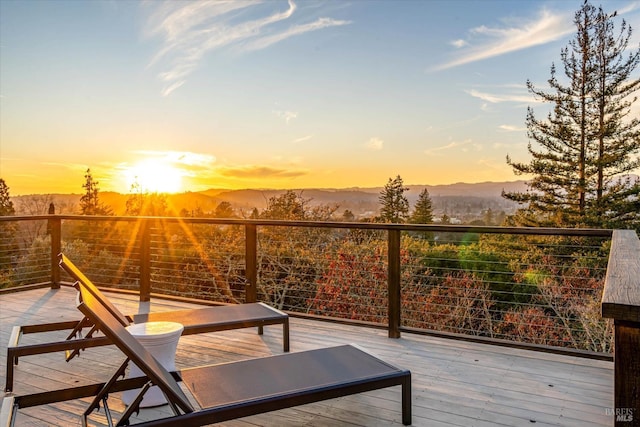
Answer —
394 283
251 263
626 409
621 302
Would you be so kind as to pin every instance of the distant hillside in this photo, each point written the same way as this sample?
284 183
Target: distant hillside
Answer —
364 201
361 201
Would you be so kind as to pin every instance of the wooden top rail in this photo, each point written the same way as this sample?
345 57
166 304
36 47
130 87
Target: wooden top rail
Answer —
540 231
621 294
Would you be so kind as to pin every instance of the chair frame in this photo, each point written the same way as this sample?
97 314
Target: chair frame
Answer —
195 321
332 372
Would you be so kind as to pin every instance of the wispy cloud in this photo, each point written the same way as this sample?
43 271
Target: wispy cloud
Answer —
295 30
179 157
631 7
302 139
497 98
485 42
256 171
75 167
491 164
465 146
190 30
286 115
375 144
511 128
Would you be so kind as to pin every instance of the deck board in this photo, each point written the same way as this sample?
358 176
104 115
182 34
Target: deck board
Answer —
455 383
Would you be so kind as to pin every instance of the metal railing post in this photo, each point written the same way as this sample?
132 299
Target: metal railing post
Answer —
394 283
55 228
251 262
145 261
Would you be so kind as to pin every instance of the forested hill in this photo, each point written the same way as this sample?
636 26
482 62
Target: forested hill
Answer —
258 198
452 198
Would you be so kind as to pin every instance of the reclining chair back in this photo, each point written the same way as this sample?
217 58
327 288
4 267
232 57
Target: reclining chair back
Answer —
115 331
84 282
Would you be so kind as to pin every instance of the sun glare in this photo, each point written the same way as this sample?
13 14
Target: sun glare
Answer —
154 176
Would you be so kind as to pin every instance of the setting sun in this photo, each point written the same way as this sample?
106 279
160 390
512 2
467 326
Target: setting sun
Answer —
155 176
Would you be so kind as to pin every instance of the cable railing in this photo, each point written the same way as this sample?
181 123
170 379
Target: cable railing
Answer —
533 286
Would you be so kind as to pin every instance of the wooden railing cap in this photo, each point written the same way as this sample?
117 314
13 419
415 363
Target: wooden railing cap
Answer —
621 294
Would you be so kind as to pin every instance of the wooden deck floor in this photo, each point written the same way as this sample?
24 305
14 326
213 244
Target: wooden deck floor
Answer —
454 383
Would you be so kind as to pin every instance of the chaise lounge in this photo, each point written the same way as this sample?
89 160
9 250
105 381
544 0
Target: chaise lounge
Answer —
225 391
196 321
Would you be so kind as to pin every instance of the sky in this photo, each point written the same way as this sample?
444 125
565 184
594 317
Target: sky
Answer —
186 96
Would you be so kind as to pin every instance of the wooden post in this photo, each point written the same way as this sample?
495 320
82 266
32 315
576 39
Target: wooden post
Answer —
251 262
621 302
145 261
55 234
394 283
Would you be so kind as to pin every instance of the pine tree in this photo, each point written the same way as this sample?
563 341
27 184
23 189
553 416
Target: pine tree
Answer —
9 245
423 210
617 200
348 216
585 144
394 205
90 201
6 205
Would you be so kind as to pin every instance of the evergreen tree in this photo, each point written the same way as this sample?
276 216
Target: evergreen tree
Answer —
6 205
617 199
394 205
348 216
585 143
90 201
287 206
423 210
9 245
224 210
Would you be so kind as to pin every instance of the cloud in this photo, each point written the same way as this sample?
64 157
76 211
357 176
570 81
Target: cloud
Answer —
464 146
511 128
286 115
190 30
302 139
459 43
375 144
74 167
179 157
168 89
245 172
498 98
631 7
486 42
293 31
490 164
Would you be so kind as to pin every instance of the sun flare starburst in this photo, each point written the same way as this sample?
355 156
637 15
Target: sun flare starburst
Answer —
155 176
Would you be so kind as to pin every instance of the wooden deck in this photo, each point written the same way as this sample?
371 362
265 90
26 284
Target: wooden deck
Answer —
455 383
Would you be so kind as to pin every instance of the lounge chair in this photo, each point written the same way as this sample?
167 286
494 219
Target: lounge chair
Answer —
195 321
238 389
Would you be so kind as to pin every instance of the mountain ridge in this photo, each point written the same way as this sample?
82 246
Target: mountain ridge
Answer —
362 201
